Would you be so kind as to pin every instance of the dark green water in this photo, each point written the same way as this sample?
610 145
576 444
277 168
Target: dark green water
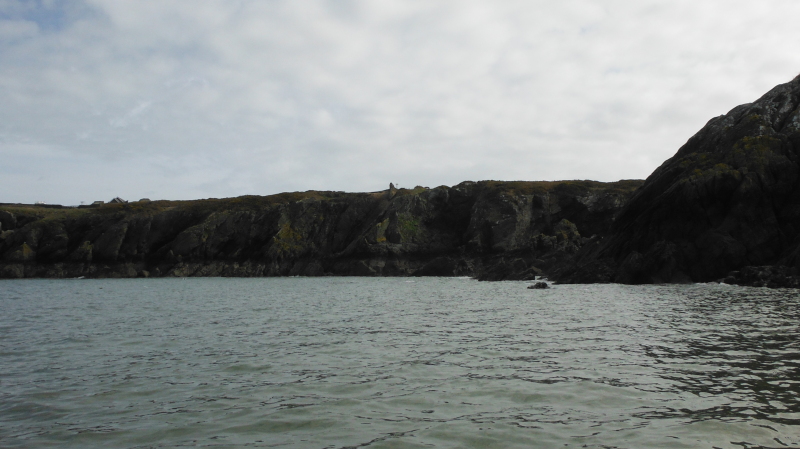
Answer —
396 363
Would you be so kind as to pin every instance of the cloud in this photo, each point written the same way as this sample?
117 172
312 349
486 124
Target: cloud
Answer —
223 98
12 30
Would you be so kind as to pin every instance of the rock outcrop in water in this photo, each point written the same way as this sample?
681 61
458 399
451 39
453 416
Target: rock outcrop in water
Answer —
490 230
729 198
773 276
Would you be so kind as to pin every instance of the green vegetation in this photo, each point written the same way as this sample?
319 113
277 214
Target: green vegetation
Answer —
200 207
23 253
380 231
415 191
408 226
695 160
756 149
204 208
720 170
575 187
753 152
287 241
750 153
44 212
753 119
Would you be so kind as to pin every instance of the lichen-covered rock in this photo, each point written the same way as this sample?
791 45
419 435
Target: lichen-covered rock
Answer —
22 253
12 271
82 253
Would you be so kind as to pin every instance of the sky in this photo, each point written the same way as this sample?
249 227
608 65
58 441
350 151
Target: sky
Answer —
186 99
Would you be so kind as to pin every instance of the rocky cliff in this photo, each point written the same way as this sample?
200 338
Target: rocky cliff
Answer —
728 199
491 230
727 205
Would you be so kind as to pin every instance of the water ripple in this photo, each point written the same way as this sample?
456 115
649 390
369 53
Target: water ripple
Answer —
386 363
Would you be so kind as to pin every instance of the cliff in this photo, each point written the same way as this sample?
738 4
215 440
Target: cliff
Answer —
728 199
490 230
726 205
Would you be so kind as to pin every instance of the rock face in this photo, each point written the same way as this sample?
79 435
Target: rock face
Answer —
768 276
490 230
729 198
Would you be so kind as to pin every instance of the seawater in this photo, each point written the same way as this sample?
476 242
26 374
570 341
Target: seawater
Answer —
396 363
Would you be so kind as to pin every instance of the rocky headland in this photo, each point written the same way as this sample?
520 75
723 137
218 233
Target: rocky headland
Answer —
727 205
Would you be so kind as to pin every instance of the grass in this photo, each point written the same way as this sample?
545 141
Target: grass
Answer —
253 202
408 226
575 187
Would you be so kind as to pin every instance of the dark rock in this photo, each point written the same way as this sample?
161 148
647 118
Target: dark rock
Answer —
590 271
107 246
729 198
511 267
440 266
54 242
772 276
82 253
8 221
22 253
12 271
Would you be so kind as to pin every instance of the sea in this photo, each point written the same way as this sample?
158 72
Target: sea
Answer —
341 362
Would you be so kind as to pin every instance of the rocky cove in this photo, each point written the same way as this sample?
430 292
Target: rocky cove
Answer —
726 206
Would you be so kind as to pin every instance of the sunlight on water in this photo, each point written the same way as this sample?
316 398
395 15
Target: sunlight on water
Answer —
396 363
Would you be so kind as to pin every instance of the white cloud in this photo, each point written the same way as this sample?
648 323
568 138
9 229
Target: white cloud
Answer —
223 98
